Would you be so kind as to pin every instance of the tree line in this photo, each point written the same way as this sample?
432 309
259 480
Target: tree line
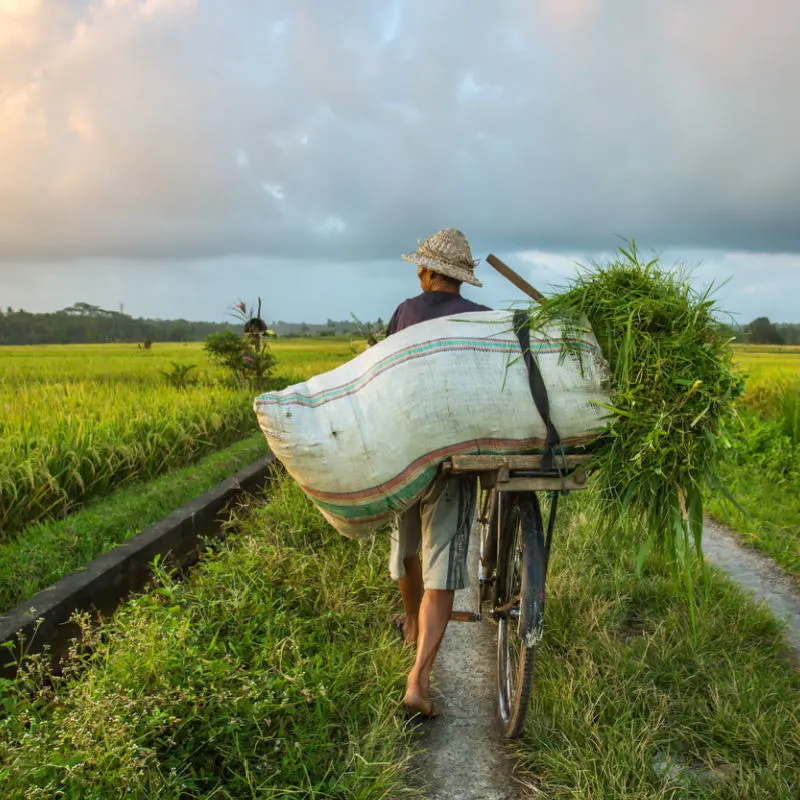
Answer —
762 331
83 323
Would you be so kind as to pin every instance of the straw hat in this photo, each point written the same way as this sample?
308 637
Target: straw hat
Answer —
446 252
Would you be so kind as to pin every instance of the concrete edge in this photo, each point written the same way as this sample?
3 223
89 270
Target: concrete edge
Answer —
102 584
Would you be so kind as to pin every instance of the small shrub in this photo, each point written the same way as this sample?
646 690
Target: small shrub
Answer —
179 376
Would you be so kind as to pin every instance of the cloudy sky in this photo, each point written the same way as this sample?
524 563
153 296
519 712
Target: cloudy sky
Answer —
177 155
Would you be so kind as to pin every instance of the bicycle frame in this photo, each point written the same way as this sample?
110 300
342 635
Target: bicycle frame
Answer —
514 557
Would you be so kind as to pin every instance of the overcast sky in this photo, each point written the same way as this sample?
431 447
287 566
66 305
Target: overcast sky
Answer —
177 155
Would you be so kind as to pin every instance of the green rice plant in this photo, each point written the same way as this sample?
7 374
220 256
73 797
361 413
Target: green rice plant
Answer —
62 448
777 399
674 389
179 376
77 422
790 410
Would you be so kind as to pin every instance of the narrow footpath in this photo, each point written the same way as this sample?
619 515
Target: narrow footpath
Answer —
462 755
758 575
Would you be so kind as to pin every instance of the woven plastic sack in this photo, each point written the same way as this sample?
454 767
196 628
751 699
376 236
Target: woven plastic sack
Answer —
365 439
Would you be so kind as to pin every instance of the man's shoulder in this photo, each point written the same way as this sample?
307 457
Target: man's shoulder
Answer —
405 312
471 305
408 302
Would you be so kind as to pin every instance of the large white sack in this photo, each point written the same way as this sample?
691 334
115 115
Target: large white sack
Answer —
365 439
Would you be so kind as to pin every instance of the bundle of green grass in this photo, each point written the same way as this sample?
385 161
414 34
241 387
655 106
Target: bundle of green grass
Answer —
674 394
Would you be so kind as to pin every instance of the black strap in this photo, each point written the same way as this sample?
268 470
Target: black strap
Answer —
538 389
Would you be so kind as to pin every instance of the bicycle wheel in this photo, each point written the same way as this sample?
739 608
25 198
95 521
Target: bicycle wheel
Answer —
520 580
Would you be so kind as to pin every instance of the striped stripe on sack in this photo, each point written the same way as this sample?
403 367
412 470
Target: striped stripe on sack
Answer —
540 347
393 496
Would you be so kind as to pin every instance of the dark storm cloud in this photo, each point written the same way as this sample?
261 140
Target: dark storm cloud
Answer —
173 130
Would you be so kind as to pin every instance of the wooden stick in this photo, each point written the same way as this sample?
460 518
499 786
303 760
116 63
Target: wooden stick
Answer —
517 280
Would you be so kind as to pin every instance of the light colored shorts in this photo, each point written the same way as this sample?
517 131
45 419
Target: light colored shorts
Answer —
438 527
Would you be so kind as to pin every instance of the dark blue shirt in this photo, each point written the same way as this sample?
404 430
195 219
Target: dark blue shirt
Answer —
430 305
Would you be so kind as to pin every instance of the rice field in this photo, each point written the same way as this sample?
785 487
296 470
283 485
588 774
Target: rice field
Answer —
768 362
77 422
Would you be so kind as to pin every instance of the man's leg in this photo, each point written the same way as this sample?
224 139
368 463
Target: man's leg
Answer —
433 618
447 514
410 586
405 568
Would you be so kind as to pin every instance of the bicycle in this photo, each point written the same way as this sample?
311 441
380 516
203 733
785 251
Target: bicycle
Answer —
514 556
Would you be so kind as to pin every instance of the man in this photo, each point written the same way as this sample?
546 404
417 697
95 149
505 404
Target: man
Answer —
438 525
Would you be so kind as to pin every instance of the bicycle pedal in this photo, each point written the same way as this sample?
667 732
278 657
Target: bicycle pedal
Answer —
465 616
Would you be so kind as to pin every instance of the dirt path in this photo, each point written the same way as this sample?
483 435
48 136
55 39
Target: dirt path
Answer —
757 574
462 754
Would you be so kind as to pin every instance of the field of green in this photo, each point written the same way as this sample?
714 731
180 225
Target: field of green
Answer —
272 670
763 469
78 422
768 362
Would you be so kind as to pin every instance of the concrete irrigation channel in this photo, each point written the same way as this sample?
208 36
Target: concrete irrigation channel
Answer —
104 583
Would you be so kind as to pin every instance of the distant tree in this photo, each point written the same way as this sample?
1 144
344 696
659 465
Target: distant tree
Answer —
83 310
790 332
762 331
373 332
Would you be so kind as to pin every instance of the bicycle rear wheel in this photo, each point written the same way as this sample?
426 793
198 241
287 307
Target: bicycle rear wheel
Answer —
520 583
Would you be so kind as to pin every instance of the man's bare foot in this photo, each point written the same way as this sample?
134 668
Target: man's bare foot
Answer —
419 706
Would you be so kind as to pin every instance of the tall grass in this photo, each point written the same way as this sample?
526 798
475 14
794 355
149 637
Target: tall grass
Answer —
270 673
627 705
63 444
777 399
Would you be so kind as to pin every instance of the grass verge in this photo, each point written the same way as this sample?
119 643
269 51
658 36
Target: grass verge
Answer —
271 673
770 517
626 705
763 474
41 554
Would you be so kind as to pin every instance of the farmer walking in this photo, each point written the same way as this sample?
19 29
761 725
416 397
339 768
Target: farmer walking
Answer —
436 527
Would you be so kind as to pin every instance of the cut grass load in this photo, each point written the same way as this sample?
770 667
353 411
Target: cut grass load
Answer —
271 672
674 394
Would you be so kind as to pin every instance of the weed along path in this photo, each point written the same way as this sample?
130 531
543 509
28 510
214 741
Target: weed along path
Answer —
757 574
462 755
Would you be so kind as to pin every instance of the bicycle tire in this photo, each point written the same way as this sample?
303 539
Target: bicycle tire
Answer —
521 571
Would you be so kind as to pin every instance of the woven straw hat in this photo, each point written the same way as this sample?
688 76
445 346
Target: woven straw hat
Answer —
446 252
